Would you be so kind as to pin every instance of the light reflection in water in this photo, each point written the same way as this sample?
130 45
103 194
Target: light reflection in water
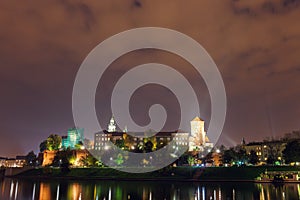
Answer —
33 191
215 194
45 191
108 190
57 193
16 190
11 189
109 194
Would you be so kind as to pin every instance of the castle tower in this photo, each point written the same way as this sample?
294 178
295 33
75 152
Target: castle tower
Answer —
197 131
112 125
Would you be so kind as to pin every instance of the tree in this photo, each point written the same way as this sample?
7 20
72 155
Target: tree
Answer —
53 142
90 161
43 146
291 153
30 159
119 160
229 156
241 155
274 152
79 145
271 159
253 158
191 160
148 146
63 159
120 144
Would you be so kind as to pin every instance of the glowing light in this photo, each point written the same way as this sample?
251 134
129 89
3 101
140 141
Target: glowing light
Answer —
33 192
57 193
109 194
11 189
16 191
233 194
215 194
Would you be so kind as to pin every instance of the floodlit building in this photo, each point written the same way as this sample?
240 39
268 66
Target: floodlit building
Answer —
74 137
197 140
19 161
265 149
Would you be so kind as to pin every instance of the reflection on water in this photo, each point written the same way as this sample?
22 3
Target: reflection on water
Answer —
150 190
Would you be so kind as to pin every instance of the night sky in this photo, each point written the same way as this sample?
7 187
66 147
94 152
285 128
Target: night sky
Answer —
255 44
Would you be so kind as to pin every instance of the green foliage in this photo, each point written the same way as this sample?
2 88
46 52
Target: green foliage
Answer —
90 161
191 160
79 145
53 142
120 144
119 160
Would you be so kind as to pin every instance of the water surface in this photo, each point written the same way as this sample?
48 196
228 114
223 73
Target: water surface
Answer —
114 190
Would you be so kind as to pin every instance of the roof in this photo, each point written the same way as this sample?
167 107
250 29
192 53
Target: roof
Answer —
197 119
140 134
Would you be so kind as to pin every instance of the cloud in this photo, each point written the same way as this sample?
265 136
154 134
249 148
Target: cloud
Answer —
258 7
254 43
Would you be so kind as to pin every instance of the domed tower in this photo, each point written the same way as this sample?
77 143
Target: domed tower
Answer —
112 127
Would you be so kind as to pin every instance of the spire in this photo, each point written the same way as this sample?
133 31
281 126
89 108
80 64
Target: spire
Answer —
112 125
125 129
243 141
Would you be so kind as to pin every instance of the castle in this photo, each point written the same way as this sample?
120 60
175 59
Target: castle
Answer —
196 140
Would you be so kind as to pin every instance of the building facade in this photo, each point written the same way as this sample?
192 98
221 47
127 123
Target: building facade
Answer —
197 140
74 137
268 149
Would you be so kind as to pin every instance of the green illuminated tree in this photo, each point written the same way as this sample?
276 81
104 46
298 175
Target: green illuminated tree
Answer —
119 160
53 142
191 160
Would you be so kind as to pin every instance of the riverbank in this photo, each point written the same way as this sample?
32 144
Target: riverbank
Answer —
169 174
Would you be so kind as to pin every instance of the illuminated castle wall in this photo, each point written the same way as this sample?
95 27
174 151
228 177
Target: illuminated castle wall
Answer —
198 138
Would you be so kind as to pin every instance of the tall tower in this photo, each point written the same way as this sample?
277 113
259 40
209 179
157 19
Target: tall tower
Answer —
197 131
112 125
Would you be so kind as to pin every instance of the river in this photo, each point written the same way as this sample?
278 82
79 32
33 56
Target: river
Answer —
24 189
